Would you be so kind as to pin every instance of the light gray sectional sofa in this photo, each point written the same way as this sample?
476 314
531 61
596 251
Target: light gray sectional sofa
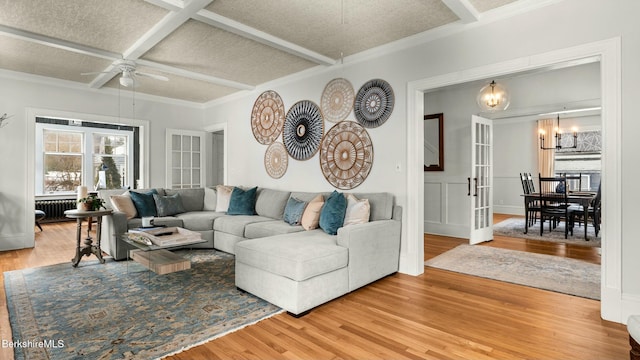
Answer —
281 263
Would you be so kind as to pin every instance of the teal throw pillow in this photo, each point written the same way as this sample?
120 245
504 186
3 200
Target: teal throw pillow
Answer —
242 202
144 203
168 205
293 211
332 214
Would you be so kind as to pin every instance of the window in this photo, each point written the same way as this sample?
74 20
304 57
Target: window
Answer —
71 153
185 159
110 160
62 160
584 160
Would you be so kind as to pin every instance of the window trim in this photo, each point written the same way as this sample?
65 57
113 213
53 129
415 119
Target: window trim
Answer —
87 154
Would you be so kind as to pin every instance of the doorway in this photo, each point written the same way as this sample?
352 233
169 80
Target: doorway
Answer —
217 143
217 158
608 53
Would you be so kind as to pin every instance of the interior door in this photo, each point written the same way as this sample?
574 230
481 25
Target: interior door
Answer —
480 182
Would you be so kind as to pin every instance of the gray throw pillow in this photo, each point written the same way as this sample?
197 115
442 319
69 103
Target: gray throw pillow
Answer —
168 205
293 211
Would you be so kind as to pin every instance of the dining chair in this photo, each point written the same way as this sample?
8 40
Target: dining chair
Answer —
532 188
593 213
553 202
534 206
525 184
574 182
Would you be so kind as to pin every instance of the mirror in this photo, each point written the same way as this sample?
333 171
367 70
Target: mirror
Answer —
433 142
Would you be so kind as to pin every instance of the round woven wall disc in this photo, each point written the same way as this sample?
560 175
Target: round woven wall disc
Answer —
374 103
346 155
267 117
303 130
337 100
276 160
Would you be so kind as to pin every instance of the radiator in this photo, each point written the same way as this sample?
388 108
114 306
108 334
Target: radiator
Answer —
55 209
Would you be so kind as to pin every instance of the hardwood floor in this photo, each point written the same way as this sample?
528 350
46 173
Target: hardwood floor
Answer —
437 315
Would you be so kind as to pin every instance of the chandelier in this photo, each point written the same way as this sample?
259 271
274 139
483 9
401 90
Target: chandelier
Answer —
558 136
493 97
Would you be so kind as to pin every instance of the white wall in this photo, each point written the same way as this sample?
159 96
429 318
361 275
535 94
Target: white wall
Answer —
560 25
17 96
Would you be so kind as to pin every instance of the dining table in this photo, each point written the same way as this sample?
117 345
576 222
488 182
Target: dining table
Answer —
583 198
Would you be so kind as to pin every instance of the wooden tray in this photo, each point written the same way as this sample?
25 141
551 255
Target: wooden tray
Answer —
169 236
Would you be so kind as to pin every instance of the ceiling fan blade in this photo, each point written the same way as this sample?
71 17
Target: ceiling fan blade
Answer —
97 72
153 76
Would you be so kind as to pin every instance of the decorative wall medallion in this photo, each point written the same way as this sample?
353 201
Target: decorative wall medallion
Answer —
346 155
374 103
267 117
337 100
276 160
303 130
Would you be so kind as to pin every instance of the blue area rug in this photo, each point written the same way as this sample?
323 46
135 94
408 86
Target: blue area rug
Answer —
111 311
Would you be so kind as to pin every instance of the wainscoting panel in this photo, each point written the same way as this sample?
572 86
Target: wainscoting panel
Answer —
507 191
433 202
446 206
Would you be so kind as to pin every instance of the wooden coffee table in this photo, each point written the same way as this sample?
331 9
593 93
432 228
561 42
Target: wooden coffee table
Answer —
158 258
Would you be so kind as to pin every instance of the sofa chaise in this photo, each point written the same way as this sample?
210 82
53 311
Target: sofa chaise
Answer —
293 268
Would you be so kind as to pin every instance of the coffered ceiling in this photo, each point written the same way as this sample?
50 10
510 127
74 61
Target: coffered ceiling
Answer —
209 48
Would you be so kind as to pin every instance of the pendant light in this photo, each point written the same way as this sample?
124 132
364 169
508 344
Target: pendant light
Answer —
493 97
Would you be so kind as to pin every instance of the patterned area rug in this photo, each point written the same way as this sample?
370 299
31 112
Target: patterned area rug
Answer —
115 311
567 276
514 227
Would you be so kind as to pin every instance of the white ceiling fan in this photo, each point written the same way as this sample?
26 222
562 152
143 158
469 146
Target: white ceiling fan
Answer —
129 73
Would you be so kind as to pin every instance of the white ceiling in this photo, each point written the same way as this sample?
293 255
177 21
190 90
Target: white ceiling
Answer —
209 48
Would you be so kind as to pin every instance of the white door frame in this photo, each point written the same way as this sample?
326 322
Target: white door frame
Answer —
608 52
221 127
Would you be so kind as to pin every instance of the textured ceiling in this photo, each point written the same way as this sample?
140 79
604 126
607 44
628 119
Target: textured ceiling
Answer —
320 26
207 49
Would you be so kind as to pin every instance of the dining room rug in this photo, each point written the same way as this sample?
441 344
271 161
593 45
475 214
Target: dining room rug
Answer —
116 311
514 227
554 273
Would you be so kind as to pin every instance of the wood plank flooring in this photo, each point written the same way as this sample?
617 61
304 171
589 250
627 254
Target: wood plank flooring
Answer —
437 315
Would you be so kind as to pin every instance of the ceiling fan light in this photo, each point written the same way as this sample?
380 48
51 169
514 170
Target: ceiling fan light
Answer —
126 80
493 97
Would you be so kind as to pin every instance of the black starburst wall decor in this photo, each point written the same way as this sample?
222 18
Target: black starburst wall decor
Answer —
374 103
303 130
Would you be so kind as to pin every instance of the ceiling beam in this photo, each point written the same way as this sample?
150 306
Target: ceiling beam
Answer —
464 10
58 43
171 5
194 75
111 56
232 26
157 33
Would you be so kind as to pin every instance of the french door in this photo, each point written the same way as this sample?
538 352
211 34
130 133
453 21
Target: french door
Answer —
185 159
480 183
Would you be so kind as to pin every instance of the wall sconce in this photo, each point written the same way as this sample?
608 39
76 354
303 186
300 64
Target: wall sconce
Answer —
493 97
558 136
